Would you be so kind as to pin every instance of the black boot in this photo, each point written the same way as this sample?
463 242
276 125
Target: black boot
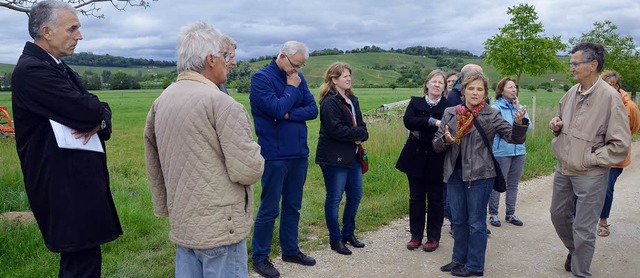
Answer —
353 241
339 247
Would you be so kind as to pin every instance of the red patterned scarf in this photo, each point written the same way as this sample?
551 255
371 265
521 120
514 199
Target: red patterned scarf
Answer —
465 119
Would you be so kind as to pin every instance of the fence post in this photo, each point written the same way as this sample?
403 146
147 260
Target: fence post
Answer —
533 116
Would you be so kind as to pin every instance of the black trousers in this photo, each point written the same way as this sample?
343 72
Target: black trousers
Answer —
425 196
84 263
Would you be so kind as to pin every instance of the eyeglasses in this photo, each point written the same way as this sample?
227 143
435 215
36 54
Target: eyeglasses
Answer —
575 64
294 66
226 56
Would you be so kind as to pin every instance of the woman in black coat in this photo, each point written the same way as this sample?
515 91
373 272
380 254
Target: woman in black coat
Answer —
422 165
341 131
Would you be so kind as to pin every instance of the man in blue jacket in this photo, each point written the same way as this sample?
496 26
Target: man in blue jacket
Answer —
281 103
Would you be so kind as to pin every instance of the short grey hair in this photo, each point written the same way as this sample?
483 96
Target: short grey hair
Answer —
590 52
45 13
290 48
196 41
228 43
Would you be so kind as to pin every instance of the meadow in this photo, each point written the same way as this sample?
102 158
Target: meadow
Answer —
145 251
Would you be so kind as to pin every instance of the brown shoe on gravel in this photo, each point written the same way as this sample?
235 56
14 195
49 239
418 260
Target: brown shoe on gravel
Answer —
413 244
431 245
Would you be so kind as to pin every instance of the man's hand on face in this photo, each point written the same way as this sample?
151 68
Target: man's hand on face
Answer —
293 79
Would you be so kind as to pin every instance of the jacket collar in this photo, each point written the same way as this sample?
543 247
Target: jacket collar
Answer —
194 76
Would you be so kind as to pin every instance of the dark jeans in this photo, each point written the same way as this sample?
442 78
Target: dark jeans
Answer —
468 202
282 179
614 173
339 180
85 263
429 191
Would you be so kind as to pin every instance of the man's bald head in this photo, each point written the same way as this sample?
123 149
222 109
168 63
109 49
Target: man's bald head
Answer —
469 68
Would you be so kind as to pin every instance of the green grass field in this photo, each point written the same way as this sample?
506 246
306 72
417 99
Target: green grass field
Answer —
145 251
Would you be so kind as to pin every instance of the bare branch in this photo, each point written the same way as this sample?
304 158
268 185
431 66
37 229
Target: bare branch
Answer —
85 7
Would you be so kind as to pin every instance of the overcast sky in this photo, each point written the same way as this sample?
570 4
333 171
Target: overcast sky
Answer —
260 27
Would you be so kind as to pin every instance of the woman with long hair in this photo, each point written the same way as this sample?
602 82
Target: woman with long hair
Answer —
469 169
342 130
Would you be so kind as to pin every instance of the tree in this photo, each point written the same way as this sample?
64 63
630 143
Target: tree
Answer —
521 48
85 7
621 53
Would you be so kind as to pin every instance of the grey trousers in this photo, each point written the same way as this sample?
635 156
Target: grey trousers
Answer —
578 234
511 167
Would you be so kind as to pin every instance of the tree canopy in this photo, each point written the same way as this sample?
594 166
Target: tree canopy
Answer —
85 7
621 53
520 47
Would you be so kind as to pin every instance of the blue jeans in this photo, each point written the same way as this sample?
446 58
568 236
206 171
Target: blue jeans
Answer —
614 173
223 261
282 179
511 167
338 180
468 204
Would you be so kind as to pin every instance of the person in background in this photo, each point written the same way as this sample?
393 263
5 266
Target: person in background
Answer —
341 131
450 78
229 46
281 103
422 165
454 96
510 156
68 189
468 176
591 135
203 184
613 78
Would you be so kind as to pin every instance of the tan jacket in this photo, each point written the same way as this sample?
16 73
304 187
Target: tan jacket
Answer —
595 133
634 123
201 161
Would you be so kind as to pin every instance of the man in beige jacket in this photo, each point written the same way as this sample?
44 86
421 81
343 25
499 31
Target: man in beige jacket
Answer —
201 161
592 134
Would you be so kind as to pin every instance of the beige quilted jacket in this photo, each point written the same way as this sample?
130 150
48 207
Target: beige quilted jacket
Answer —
201 161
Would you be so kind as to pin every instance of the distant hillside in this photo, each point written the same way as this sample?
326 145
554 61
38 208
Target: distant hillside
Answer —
93 60
385 68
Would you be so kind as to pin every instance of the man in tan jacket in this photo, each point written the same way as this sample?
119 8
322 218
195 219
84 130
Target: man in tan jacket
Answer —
201 161
592 134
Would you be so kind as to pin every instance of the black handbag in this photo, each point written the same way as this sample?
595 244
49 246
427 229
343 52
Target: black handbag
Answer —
500 184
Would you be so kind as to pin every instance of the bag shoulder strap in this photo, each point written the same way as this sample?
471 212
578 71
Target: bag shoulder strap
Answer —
483 135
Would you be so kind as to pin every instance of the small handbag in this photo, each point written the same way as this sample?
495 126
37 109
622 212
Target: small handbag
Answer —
364 159
500 184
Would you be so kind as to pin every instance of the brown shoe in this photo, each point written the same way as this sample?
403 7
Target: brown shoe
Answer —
431 245
413 244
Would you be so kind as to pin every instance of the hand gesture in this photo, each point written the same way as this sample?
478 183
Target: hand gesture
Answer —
447 135
555 124
518 116
293 79
516 103
87 135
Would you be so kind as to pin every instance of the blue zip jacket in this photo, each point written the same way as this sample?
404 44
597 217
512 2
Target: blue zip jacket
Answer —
500 147
271 98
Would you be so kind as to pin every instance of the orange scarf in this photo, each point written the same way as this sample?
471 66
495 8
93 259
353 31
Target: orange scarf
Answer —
465 119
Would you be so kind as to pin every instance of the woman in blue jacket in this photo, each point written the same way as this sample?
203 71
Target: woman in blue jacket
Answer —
341 131
509 156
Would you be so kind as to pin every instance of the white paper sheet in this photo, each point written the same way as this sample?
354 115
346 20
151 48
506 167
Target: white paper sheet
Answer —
66 140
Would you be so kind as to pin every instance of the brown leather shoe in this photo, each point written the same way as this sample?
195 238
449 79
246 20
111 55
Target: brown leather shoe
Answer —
431 245
413 244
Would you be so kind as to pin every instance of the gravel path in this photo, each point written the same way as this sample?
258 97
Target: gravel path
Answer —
531 250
